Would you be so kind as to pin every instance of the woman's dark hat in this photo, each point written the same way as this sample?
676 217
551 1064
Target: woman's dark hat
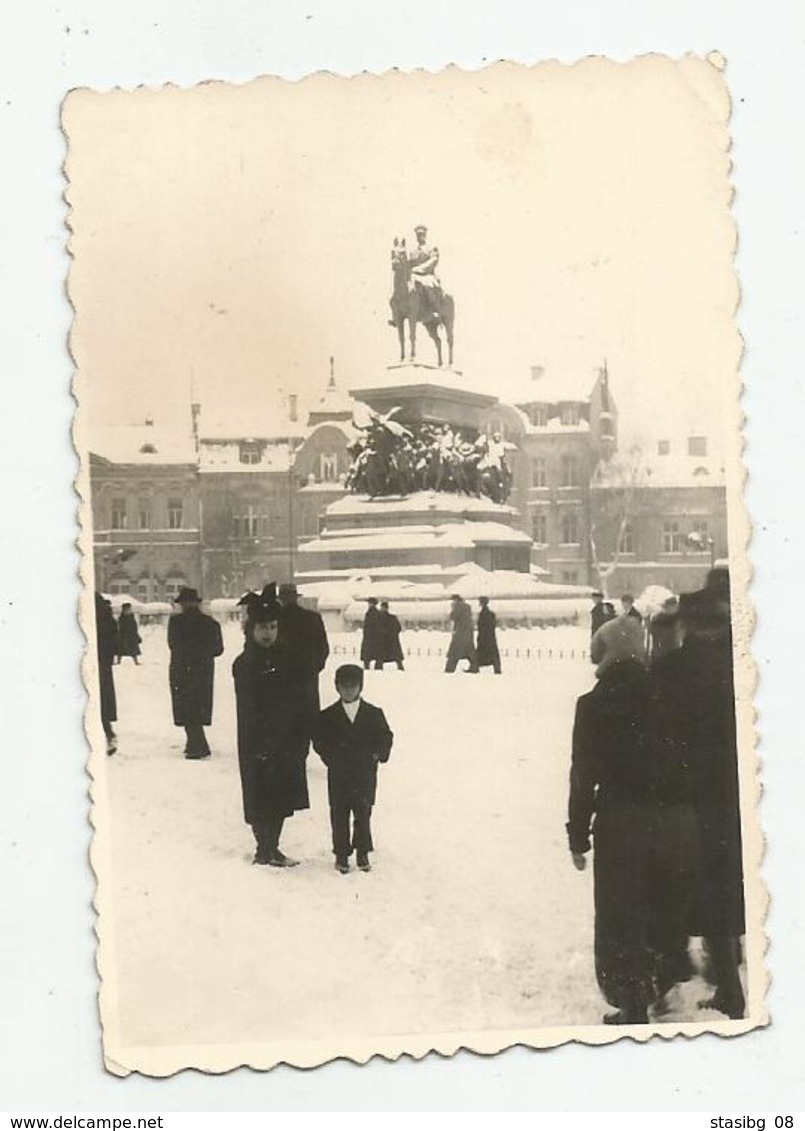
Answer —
188 596
262 608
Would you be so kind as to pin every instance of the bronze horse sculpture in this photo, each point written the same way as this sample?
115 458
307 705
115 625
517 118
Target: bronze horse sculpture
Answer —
407 306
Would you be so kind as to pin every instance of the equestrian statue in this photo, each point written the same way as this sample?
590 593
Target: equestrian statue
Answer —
417 295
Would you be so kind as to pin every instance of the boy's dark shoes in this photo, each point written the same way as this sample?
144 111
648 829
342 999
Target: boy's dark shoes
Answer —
341 865
362 861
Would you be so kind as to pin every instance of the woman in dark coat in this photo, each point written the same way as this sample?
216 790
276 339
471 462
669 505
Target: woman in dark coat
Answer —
488 651
270 713
128 635
106 631
645 841
194 640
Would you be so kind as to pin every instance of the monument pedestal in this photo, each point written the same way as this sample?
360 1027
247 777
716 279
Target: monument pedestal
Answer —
432 530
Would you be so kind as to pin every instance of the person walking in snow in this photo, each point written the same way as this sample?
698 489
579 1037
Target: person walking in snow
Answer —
390 631
194 640
488 653
128 634
462 643
106 640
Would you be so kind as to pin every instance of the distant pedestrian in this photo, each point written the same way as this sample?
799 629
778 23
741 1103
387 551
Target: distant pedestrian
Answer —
628 607
351 738
462 644
391 629
270 705
194 640
128 634
372 647
488 653
106 634
598 613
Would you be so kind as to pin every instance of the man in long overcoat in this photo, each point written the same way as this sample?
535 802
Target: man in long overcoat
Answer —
128 634
598 613
372 646
698 696
391 629
194 640
488 651
304 640
462 642
634 800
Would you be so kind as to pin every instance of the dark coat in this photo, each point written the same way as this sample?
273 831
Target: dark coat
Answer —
372 643
304 640
462 644
194 640
488 652
391 628
269 702
694 696
128 635
106 629
645 834
598 616
351 751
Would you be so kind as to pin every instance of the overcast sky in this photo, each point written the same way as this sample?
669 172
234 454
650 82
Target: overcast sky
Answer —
241 235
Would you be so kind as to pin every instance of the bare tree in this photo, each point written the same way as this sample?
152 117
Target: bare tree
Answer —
622 479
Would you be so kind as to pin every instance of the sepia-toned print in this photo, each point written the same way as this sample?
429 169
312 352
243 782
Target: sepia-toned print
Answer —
414 563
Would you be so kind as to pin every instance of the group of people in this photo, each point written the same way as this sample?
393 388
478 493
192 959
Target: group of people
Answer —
278 717
654 793
389 458
380 642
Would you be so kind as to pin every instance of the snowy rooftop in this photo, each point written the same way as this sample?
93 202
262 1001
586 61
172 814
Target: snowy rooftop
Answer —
143 444
554 387
661 471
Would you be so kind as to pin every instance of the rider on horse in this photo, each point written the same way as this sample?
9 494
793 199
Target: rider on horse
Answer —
423 261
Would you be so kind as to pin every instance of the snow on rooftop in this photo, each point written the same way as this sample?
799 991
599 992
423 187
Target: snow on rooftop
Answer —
660 471
554 387
143 444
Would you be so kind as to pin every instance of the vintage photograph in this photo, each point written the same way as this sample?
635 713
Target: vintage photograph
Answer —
414 563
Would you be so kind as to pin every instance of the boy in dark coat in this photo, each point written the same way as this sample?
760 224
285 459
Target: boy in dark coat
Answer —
269 704
194 640
128 634
351 738
488 651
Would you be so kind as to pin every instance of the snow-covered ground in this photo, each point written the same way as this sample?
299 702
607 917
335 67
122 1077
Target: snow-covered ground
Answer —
473 917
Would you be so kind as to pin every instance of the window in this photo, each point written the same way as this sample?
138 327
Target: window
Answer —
118 514
539 415
539 472
148 450
250 522
569 576
700 472
626 541
570 528
569 414
570 472
175 514
697 445
701 528
663 447
672 539
143 589
539 527
119 587
329 467
172 586
144 514
236 526
249 453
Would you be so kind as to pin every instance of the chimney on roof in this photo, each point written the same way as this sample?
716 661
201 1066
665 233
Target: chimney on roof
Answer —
331 382
149 421
293 409
537 371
